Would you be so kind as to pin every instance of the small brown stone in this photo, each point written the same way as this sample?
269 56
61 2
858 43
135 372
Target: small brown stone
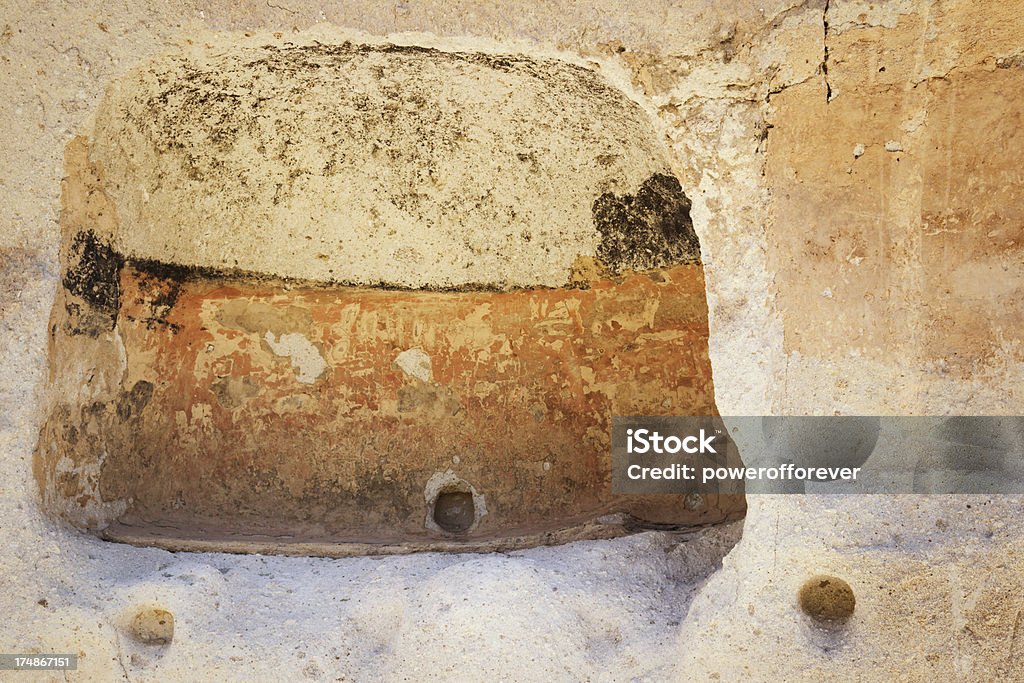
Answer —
153 626
827 599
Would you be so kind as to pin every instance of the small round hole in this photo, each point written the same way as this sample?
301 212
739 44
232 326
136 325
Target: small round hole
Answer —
454 511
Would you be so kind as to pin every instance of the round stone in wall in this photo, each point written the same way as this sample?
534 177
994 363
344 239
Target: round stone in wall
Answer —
153 626
827 600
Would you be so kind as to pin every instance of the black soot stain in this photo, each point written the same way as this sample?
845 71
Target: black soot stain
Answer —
651 229
93 275
132 403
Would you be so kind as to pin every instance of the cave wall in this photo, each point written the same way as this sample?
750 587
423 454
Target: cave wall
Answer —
852 172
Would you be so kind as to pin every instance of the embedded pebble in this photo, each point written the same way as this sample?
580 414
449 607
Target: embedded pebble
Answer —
153 626
827 599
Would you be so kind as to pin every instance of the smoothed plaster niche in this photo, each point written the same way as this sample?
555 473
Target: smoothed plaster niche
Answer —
353 298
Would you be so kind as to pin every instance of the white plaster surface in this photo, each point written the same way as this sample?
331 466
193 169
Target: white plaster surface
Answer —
415 363
306 359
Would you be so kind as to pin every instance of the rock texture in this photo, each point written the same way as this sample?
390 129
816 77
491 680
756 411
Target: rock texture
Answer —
214 429
915 243
382 164
219 382
817 288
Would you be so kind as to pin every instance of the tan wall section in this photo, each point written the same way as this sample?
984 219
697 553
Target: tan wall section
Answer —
896 227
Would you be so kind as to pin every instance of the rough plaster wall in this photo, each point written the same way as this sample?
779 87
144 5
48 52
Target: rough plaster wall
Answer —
365 163
896 227
935 579
894 265
486 173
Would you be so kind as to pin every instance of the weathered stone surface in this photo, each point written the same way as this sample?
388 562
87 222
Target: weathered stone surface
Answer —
241 396
912 247
714 72
216 430
380 163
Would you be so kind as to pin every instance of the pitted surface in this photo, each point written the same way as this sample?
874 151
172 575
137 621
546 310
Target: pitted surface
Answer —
384 164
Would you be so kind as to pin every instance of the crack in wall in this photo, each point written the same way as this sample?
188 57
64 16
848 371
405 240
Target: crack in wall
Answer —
824 50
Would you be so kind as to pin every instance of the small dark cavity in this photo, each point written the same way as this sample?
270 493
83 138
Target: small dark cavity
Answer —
454 511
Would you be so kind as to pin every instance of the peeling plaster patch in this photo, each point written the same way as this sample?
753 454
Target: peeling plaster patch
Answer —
914 122
233 392
650 229
93 273
415 363
309 364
